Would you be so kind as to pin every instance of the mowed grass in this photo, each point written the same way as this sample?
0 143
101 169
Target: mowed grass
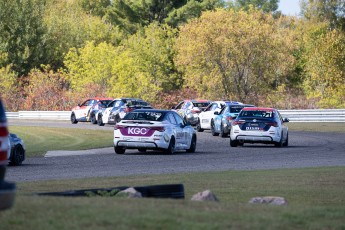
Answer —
39 140
317 126
316 201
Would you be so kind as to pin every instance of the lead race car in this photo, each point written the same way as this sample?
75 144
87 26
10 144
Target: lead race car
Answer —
154 129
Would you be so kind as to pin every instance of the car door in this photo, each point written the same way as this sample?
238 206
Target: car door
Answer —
83 109
179 130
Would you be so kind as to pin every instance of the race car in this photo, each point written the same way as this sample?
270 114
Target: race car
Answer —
83 111
152 129
190 109
259 125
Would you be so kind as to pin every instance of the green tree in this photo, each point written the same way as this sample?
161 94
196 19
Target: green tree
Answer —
266 6
22 34
325 65
330 11
144 66
235 54
132 15
90 65
69 26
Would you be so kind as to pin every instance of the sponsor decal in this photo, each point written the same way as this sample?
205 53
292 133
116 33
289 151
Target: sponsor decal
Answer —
137 131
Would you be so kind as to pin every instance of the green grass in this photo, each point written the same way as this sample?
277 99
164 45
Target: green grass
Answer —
317 126
316 201
39 140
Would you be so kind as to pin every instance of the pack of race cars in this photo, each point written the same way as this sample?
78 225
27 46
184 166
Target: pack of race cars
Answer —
137 125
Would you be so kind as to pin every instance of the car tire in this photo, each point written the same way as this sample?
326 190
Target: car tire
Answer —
192 147
286 143
198 127
119 150
73 119
222 133
93 119
171 149
142 150
18 155
213 132
280 143
100 121
233 143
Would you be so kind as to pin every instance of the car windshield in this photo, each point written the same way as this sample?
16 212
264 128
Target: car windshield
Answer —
257 113
145 115
236 109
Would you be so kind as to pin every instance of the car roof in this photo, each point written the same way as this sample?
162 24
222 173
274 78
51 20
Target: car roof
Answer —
258 108
196 100
99 98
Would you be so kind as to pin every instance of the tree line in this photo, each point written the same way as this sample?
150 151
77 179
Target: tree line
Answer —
54 53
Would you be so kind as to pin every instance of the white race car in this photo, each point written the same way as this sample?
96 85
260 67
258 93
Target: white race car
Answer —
259 125
154 129
207 116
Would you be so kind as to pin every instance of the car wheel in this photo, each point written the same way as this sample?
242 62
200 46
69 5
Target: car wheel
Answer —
171 148
233 143
18 155
142 150
222 133
73 119
192 145
213 132
119 150
99 121
286 143
198 127
280 143
93 119
117 118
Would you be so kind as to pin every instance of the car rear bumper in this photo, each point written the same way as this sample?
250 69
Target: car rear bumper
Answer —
139 144
253 139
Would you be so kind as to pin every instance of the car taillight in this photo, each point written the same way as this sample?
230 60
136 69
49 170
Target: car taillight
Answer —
237 122
158 128
274 124
118 127
3 131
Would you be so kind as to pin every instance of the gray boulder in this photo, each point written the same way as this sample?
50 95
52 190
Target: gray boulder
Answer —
206 195
130 193
274 200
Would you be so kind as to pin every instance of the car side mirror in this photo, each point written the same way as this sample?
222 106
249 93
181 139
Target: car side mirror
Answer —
286 120
173 107
216 113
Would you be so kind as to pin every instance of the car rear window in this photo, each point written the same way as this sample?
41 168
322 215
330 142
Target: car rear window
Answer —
257 113
131 103
145 115
200 104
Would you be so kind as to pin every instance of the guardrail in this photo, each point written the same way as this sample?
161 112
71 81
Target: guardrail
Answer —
308 115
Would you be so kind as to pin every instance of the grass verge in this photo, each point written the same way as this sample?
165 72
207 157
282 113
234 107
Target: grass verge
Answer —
316 201
39 140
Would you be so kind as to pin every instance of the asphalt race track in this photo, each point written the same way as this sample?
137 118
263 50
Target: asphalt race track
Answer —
306 149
